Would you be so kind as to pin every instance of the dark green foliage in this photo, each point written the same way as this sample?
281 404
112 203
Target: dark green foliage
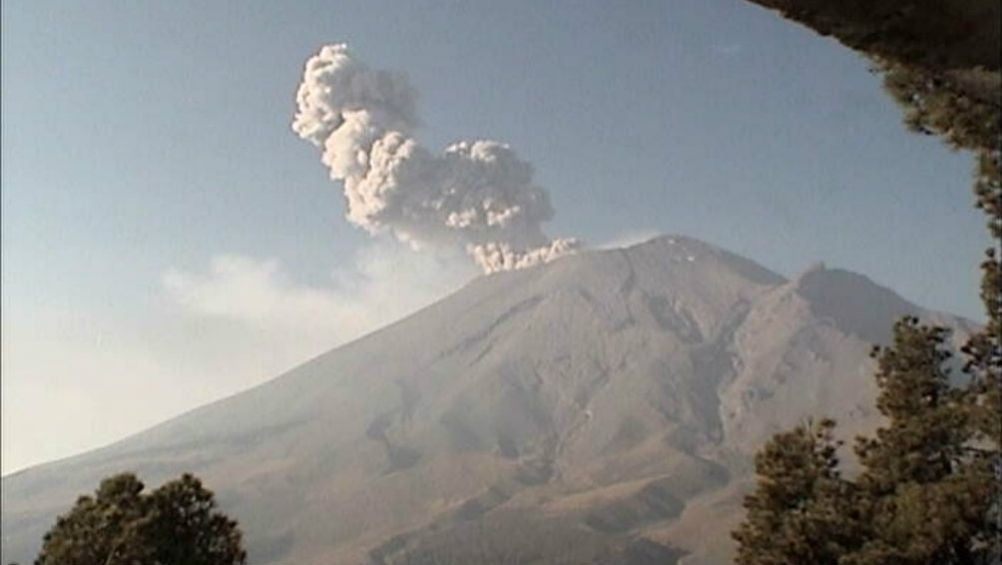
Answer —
930 490
959 105
941 63
923 495
926 490
177 524
926 436
933 34
803 510
187 529
100 529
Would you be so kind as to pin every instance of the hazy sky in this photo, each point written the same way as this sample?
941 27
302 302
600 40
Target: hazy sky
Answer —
167 239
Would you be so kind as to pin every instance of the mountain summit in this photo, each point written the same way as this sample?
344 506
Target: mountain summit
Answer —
602 408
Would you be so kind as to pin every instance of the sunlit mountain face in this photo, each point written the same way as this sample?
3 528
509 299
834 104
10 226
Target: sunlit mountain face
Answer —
603 407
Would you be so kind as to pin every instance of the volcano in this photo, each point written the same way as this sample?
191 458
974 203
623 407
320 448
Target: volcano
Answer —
601 408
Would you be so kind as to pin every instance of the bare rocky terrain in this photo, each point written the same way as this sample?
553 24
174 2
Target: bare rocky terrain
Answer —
602 408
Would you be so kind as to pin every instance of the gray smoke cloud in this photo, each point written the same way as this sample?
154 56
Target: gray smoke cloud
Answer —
477 194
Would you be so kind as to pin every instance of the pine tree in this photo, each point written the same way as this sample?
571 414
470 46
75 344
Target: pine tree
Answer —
924 439
931 491
802 511
99 529
185 528
984 360
120 525
920 494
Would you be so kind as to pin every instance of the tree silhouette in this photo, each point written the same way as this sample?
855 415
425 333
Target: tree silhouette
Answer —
177 524
930 489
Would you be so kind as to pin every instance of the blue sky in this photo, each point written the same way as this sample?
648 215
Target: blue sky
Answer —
143 141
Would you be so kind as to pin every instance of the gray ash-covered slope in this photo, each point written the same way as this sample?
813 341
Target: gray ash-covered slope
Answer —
602 408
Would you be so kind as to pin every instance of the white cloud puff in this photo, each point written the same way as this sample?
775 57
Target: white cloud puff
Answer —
385 283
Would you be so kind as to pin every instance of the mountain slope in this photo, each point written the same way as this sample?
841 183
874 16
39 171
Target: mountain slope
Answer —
603 407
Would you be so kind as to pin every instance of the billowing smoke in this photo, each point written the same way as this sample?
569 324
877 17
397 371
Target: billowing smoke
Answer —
477 195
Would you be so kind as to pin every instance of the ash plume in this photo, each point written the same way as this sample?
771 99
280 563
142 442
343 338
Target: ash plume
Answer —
477 195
